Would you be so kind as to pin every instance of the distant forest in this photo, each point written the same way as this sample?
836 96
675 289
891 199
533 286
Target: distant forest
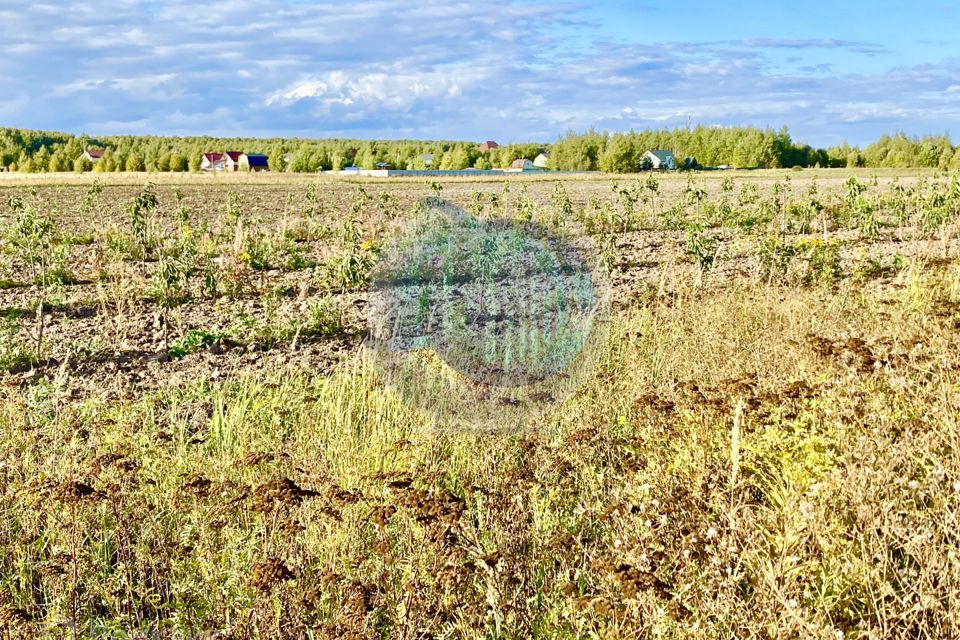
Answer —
743 147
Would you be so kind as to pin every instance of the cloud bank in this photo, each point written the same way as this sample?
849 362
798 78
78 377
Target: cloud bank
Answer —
501 69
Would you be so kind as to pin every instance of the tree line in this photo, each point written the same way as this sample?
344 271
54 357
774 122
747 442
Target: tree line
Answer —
45 151
743 147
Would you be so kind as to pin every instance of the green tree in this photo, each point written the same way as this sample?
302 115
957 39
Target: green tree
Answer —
24 163
177 162
459 159
134 162
41 159
81 164
621 155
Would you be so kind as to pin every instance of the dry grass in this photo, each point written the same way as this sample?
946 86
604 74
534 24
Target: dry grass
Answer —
751 459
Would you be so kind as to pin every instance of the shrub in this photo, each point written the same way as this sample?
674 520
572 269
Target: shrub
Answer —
823 261
774 257
702 247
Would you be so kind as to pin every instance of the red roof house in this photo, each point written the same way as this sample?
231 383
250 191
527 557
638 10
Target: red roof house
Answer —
231 160
212 162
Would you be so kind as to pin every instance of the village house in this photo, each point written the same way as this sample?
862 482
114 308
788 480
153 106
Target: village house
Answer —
522 164
93 155
212 162
255 161
659 159
488 145
542 161
231 160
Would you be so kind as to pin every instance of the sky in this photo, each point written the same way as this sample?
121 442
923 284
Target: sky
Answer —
507 70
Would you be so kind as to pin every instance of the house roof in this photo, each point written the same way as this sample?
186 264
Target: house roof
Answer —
519 163
662 154
234 155
489 144
256 159
95 153
213 157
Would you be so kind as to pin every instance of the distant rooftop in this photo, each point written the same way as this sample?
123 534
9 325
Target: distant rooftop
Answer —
256 160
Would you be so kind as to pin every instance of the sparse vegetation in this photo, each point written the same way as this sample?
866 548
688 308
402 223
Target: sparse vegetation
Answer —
198 445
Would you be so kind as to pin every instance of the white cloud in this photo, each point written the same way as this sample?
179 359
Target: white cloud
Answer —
532 101
393 90
143 87
503 69
813 43
136 36
299 91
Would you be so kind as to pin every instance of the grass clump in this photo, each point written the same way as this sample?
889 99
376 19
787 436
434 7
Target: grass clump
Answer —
193 341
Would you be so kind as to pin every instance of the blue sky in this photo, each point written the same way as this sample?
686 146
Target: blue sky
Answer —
510 70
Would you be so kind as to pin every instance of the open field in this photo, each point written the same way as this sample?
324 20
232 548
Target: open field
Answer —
191 443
